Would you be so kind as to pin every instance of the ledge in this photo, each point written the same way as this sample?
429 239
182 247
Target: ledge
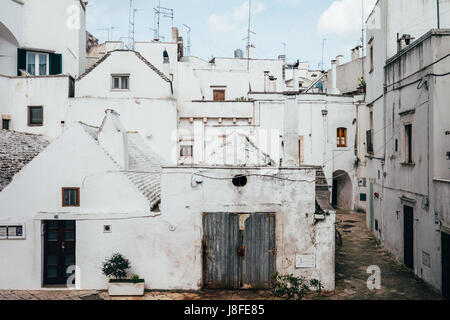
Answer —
406 164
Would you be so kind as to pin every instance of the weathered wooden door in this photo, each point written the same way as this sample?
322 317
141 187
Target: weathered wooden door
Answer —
59 250
238 250
408 230
446 265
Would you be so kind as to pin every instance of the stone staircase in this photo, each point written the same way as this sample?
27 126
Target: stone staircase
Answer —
323 193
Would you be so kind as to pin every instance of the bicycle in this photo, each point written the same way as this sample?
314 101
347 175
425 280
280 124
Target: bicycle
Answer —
338 237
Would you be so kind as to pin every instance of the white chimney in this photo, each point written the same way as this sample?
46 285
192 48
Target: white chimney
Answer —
290 136
174 34
113 138
295 79
266 81
250 53
339 59
332 79
356 53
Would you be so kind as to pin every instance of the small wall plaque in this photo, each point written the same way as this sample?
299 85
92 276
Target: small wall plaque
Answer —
304 261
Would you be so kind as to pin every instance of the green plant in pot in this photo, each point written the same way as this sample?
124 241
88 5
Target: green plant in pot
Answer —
116 269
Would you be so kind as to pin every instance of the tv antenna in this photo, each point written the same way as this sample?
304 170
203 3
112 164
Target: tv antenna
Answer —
322 64
188 47
110 31
133 25
249 33
130 12
164 12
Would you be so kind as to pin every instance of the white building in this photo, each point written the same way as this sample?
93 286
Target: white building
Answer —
39 58
407 135
116 198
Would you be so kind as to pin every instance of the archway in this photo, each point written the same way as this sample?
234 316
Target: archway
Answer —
342 190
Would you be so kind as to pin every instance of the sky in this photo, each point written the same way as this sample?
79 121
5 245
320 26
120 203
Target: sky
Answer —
218 27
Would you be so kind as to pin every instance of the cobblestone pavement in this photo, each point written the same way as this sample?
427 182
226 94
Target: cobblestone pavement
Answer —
359 251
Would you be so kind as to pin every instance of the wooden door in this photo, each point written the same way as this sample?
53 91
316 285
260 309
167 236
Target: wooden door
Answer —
238 250
408 236
59 250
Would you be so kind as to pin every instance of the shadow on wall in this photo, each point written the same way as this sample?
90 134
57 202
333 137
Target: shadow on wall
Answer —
342 190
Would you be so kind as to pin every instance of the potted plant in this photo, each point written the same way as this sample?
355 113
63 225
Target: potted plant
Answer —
116 269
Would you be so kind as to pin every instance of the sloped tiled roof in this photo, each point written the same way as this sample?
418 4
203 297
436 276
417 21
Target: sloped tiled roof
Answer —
250 153
102 59
144 166
17 150
145 169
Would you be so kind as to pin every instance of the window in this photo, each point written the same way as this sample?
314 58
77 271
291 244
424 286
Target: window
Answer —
120 82
35 116
5 124
371 58
186 151
342 137
219 95
37 63
71 197
369 133
12 231
165 57
71 87
408 144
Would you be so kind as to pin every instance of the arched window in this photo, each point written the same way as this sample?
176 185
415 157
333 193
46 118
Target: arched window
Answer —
166 56
342 137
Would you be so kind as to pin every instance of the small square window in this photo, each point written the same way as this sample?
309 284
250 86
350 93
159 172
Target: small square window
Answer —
186 151
35 116
12 232
120 82
70 197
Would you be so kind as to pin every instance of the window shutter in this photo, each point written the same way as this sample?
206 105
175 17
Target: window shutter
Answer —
21 60
55 63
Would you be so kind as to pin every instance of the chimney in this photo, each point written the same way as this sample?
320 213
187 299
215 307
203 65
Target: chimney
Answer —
250 50
356 53
290 135
295 80
266 81
332 79
339 59
174 34
113 138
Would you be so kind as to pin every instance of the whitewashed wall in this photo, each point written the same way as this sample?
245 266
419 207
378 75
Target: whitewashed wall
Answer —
50 92
73 160
292 202
47 25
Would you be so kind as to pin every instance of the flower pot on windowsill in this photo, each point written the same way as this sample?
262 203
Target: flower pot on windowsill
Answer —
126 287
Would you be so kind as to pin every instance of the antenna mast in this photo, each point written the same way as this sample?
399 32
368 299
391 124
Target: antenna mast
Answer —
323 54
130 24
249 32
165 12
188 47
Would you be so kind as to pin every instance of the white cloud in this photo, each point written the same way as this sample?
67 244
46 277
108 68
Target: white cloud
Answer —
240 13
219 23
343 17
234 20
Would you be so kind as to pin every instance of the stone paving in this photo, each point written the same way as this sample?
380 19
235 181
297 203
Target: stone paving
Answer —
359 251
